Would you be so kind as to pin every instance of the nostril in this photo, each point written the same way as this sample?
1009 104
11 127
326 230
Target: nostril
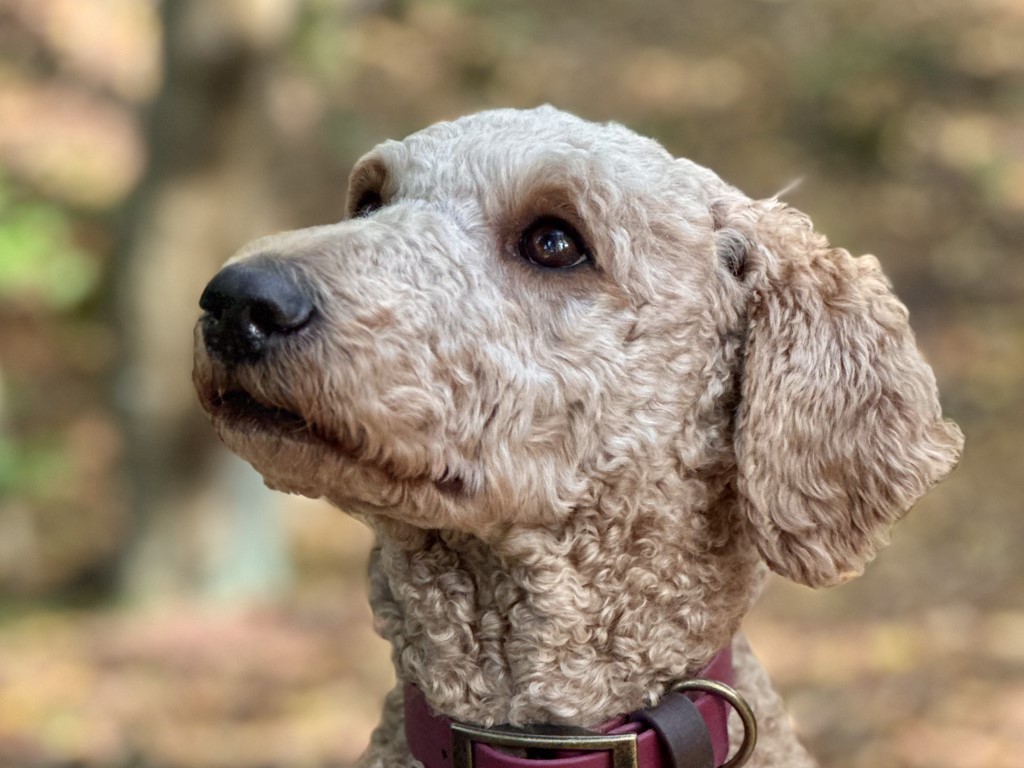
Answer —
249 302
281 315
214 301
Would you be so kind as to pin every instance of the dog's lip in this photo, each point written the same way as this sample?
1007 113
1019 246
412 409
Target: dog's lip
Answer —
238 409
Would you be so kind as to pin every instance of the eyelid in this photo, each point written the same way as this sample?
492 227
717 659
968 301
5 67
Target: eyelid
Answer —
551 220
544 200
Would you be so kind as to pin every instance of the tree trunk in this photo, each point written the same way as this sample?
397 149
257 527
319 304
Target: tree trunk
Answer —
202 522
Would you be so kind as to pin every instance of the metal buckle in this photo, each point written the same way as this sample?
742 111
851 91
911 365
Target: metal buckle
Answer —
738 703
622 746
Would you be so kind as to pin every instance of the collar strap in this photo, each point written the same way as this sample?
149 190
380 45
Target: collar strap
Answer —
680 732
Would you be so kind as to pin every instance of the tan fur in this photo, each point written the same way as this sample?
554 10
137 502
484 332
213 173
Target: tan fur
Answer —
576 477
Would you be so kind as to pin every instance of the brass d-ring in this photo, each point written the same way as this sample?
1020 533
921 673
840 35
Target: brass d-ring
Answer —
737 702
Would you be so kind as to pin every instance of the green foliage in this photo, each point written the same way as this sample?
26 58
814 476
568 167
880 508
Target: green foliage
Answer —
39 260
28 471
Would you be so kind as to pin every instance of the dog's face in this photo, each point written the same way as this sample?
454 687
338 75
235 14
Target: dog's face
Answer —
524 313
511 304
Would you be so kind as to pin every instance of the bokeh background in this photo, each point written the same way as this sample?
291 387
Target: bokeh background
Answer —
159 607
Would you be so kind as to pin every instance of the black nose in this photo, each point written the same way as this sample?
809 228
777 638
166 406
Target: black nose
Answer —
251 303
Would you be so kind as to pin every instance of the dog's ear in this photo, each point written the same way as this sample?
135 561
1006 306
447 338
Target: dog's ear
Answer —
839 429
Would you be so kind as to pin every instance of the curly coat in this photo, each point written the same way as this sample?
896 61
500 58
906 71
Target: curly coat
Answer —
578 476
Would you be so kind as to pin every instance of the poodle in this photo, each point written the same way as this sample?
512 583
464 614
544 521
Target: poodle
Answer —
587 395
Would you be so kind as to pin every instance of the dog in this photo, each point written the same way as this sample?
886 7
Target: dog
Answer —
587 395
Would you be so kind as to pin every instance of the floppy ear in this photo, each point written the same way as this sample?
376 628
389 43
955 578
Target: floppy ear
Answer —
839 429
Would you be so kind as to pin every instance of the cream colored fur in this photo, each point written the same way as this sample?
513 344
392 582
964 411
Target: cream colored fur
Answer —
577 477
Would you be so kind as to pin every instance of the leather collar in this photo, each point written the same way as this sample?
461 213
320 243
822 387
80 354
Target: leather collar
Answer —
680 732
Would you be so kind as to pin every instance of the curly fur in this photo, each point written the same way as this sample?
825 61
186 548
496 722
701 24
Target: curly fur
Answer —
577 477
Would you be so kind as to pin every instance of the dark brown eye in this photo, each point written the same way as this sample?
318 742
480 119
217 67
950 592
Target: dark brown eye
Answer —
369 202
552 243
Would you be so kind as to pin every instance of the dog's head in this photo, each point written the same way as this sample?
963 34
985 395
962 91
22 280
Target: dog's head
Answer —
524 314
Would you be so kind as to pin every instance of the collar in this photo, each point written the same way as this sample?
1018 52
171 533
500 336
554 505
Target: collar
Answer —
682 731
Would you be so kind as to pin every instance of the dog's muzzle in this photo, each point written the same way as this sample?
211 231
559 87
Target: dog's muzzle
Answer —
250 306
679 732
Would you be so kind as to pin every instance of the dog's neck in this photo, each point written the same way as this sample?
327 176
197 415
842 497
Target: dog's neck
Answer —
573 625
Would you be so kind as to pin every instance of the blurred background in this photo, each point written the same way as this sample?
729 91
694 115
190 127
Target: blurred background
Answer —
159 607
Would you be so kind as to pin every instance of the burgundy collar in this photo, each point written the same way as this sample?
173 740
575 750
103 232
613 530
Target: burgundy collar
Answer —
681 732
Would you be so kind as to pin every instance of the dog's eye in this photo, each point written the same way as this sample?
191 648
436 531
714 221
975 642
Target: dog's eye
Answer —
369 202
553 243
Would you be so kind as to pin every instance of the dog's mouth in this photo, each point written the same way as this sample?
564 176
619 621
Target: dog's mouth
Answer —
243 411
240 411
